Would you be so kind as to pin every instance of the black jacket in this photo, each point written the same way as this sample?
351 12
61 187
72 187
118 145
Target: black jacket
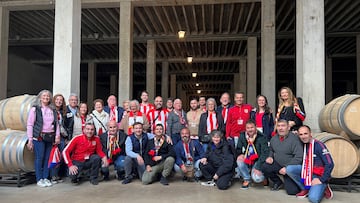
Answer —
203 124
121 142
220 157
165 151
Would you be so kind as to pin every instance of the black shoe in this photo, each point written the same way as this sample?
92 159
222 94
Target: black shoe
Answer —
120 175
94 181
106 178
126 181
75 181
277 186
184 178
164 181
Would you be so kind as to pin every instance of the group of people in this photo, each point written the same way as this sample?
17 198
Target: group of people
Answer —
209 142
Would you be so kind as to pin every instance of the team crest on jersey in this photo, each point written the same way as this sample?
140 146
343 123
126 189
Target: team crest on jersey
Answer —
93 143
246 110
325 151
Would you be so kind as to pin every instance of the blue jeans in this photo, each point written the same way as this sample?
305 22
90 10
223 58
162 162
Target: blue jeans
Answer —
119 165
129 164
205 146
294 172
42 153
197 173
244 169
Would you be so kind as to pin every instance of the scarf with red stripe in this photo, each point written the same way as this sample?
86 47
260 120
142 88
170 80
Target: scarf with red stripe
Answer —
211 122
113 147
113 114
133 119
308 164
251 154
224 114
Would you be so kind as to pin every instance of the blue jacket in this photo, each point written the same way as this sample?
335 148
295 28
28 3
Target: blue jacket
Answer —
267 123
133 147
197 152
120 111
323 163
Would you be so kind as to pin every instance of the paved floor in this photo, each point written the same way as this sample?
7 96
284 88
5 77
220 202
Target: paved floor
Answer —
177 191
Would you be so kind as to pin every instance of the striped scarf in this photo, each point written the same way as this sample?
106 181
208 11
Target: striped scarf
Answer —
211 122
308 163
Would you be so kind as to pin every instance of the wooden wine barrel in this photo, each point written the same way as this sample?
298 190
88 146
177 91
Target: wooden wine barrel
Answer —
344 153
342 114
14 155
14 112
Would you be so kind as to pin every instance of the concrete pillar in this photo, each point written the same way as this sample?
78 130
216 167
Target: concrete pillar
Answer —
310 58
242 76
251 70
358 62
113 84
173 86
165 80
91 86
268 70
126 50
67 43
151 69
328 80
4 42
236 84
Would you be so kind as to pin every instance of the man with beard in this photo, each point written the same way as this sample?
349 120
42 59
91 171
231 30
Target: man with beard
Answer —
145 105
158 115
193 117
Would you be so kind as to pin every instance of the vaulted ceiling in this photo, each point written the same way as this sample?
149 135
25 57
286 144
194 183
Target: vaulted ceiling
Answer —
216 36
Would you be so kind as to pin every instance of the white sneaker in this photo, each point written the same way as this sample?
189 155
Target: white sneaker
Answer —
47 183
208 183
41 183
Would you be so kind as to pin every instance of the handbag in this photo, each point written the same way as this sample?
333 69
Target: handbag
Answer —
54 158
206 138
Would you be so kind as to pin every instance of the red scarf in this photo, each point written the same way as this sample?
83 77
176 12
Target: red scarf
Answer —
211 122
187 152
251 154
308 164
82 117
224 114
113 147
113 116
181 117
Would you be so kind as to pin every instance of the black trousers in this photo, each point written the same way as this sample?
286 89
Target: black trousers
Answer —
93 163
271 171
208 171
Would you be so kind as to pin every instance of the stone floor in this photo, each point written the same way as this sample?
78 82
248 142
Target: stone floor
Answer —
177 191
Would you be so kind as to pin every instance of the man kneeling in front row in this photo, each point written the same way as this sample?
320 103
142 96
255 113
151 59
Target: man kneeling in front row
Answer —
85 152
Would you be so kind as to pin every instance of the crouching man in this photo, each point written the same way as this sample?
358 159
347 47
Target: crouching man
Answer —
158 157
85 152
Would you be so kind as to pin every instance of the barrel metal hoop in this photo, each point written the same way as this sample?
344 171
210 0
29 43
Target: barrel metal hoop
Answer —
20 153
341 114
2 110
330 113
3 149
22 108
13 141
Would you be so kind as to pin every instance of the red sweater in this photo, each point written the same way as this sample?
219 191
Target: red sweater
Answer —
81 148
236 121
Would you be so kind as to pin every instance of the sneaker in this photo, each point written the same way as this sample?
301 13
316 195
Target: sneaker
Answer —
126 181
75 181
328 193
265 182
302 194
164 181
41 183
245 185
277 186
208 183
94 181
47 183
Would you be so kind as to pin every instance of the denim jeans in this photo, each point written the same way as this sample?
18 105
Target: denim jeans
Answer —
42 152
294 172
205 146
197 173
119 165
244 169
129 164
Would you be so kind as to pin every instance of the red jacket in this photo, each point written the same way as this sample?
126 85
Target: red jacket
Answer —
81 148
237 118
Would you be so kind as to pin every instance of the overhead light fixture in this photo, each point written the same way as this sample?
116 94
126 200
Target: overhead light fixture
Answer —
197 84
96 35
194 74
189 59
181 34
199 91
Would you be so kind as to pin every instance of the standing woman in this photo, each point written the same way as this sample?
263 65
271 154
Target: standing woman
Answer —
60 107
263 117
209 121
290 109
43 131
80 119
99 117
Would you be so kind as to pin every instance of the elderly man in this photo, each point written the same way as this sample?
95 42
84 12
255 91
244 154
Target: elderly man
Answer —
115 112
113 145
71 111
225 106
176 121
85 152
188 155
286 150
158 158
252 150
158 115
314 174
132 117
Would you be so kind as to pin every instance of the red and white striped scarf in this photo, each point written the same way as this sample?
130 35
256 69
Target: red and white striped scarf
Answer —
133 119
145 108
224 114
160 116
113 114
308 163
211 122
